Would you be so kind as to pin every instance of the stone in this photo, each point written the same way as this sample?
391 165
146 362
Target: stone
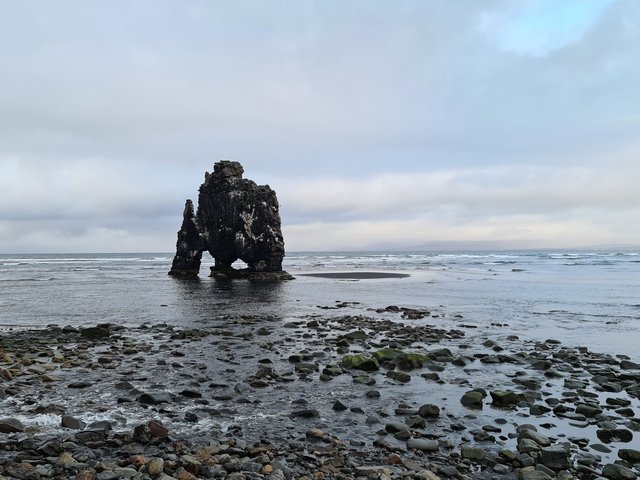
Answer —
530 473
411 361
630 455
388 355
339 406
376 472
588 410
401 377
66 459
629 365
538 409
473 453
125 472
235 219
73 423
304 413
614 471
429 411
423 444
534 436
555 457
155 466
614 435
11 425
473 399
448 471
91 436
80 384
155 398
364 380
396 427
360 362
95 333
157 430
505 398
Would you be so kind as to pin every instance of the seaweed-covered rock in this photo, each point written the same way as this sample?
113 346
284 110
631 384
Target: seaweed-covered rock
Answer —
236 219
404 361
360 362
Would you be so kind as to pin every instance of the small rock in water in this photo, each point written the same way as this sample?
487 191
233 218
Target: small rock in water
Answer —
614 435
80 384
429 411
373 394
534 436
73 423
398 376
154 398
157 429
473 399
305 413
339 406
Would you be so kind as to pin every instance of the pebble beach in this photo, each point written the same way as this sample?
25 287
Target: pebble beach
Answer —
347 391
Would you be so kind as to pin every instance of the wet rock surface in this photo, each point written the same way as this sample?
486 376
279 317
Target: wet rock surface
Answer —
367 394
235 219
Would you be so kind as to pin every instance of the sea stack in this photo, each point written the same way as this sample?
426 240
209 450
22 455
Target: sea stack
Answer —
236 219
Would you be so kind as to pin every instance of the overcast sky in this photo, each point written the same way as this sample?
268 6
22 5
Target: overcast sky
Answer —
397 123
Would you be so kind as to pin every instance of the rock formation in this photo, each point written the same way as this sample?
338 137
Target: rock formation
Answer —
236 219
189 246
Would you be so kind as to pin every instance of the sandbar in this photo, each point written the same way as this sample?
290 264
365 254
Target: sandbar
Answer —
356 275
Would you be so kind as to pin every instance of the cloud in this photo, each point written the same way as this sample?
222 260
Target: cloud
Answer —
488 119
467 193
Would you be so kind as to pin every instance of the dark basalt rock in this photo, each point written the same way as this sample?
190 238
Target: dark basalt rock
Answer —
189 246
236 219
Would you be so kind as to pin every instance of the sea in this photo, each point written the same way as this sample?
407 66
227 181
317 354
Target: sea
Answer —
583 297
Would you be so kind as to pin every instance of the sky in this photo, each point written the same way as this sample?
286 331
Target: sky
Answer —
397 124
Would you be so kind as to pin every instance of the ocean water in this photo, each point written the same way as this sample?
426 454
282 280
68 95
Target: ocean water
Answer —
581 297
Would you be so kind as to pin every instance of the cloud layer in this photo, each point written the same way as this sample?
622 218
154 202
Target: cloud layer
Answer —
396 126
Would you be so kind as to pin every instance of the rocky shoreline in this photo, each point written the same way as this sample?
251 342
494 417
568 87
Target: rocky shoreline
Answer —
347 393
